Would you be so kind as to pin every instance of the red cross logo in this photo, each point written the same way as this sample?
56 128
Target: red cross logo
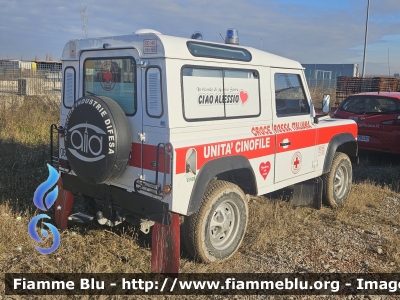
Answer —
107 76
296 163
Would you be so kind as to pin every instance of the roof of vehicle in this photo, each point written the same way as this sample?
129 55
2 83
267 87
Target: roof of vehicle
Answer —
383 94
170 47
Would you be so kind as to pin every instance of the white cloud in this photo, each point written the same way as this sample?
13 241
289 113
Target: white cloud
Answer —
310 31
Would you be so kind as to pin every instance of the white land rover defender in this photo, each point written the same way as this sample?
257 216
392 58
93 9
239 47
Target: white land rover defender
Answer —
154 125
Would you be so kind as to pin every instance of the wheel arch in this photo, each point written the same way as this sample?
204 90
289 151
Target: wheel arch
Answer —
344 142
232 169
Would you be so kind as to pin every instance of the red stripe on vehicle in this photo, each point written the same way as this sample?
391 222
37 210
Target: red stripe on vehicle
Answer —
149 153
136 155
325 134
298 139
251 148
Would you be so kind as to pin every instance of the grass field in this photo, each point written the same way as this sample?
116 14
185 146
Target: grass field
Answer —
274 224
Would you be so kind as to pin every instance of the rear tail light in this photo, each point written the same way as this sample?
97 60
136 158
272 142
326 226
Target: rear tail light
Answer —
167 189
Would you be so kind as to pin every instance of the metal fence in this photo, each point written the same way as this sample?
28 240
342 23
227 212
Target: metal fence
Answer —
324 83
320 78
39 81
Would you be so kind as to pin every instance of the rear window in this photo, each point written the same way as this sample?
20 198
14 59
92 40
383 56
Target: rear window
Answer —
114 78
371 104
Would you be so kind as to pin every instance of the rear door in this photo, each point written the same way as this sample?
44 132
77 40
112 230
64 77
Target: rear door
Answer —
293 126
114 74
155 123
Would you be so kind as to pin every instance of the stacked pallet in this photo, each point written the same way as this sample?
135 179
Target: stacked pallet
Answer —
347 86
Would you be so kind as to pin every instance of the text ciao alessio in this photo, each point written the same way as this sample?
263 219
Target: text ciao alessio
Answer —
218 99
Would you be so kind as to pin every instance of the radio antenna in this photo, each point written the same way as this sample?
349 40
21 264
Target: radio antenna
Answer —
222 37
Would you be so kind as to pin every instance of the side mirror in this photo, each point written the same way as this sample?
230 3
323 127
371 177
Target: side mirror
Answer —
326 103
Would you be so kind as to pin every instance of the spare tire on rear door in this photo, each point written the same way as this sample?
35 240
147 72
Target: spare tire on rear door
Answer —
97 139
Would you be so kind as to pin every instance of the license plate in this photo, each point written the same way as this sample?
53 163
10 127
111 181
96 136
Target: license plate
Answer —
363 138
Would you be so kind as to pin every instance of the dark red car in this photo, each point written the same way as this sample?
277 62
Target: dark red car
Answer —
378 119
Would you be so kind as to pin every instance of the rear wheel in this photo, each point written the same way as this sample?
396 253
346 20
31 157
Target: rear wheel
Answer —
337 182
216 231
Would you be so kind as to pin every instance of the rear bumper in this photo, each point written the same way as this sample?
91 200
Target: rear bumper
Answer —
115 199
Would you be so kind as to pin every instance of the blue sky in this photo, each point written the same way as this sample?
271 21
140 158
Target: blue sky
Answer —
310 31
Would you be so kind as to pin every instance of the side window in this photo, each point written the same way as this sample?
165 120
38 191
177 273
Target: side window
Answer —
202 93
154 101
219 93
69 87
387 105
245 84
290 97
114 78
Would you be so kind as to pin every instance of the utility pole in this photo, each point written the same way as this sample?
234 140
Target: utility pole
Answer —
365 41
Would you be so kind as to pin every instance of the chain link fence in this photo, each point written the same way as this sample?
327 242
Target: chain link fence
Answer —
42 80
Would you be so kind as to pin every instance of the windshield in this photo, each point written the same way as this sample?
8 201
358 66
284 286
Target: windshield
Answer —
371 105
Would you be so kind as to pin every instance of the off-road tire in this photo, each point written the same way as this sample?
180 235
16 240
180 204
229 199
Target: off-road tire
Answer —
209 240
337 182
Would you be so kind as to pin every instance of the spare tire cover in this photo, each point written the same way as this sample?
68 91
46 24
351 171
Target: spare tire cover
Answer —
97 139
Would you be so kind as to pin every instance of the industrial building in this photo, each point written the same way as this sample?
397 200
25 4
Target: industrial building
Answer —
330 71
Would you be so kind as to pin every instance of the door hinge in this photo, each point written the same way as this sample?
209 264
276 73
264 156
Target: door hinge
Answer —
142 136
315 163
143 63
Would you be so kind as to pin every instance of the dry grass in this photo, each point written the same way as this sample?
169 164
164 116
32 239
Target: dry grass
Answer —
24 145
273 224
318 92
83 249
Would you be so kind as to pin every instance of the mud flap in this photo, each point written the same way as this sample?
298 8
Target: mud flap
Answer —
308 193
63 206
165 247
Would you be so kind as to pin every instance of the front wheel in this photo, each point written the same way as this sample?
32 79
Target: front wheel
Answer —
216 231
337 182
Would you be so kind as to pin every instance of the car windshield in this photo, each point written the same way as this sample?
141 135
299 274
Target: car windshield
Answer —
371 105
